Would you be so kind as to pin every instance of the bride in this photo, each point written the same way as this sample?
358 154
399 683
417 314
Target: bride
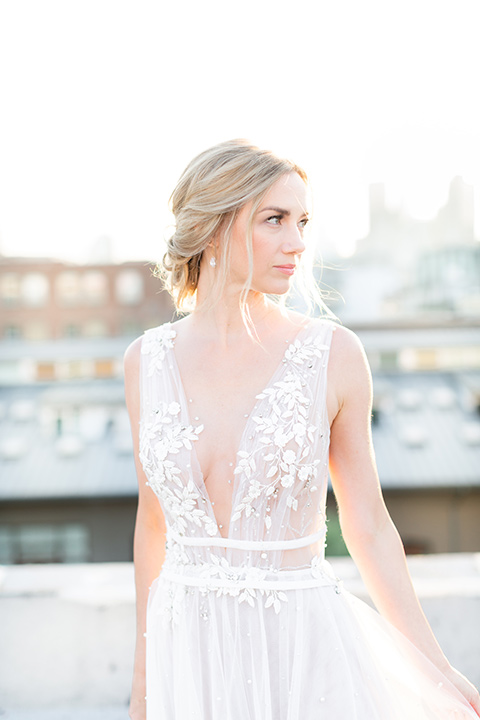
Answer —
241 405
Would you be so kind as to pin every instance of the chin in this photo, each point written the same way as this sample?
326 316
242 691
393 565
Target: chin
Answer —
275 288
268 285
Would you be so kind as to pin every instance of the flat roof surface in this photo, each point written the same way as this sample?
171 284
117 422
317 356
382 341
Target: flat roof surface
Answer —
426 434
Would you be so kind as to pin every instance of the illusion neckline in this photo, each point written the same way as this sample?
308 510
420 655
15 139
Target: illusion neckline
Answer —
184 402
277 368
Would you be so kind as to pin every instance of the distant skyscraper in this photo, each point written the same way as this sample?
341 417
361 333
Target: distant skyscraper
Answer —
405 266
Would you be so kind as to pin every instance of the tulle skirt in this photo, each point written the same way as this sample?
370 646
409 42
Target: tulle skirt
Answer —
318 654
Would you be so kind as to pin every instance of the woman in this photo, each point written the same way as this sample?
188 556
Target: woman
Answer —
237 427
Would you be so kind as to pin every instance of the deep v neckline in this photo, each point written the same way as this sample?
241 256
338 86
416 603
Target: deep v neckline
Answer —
184 403
278 367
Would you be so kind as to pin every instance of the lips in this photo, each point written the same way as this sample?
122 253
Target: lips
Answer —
286 269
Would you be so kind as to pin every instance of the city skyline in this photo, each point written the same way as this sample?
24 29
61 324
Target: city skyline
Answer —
102 249
105 103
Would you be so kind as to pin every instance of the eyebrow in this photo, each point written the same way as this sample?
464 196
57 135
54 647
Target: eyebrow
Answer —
278 210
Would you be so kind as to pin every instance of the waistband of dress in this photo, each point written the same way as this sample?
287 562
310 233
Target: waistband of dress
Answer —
255 583
259 545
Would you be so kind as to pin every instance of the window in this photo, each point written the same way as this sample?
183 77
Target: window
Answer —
10 289
95 328
75 369
36 331
460 357
45 371
427 359
72 331
389 360
44 544
129 287
94 285
35 289
104 368
67 287
12 332
10 372
131 327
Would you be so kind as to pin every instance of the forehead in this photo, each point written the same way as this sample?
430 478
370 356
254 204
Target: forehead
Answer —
289 192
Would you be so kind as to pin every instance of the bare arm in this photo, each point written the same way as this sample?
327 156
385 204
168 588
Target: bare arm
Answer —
149 539
368 530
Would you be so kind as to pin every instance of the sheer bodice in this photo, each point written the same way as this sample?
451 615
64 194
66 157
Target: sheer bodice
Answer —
277 518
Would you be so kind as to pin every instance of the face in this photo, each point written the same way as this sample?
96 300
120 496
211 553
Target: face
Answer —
277 237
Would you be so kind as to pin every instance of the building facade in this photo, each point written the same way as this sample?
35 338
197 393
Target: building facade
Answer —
42 300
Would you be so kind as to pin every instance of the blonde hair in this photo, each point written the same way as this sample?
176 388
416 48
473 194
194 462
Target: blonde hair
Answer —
210 193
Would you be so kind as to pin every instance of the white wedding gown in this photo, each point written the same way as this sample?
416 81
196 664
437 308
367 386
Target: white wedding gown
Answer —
255 626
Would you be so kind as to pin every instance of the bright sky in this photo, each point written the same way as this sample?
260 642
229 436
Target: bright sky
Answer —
103 103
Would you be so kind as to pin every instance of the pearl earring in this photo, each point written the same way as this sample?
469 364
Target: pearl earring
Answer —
213 262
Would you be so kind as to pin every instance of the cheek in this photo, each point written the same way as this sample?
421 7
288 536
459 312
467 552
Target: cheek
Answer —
261 246
239 254
238 266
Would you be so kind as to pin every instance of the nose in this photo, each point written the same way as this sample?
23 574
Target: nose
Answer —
294 242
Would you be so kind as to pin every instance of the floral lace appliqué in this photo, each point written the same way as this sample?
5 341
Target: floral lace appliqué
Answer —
155 343
216 576
286 432
319 568
163 436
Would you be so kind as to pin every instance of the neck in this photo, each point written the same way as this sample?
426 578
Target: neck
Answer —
224 320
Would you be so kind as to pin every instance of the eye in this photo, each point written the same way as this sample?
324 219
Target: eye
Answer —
274 219
303 223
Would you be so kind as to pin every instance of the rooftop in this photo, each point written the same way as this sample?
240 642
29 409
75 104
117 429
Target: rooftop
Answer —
73 440
65 441
426 429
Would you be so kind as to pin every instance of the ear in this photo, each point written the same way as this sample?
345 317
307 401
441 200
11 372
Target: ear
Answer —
214 242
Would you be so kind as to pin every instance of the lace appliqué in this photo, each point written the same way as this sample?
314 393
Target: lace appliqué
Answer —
155 343
284 432
318 568
162 437
237 582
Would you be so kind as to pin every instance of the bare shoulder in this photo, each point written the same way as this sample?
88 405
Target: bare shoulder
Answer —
131 358
346 345
297 318
348 366
131 369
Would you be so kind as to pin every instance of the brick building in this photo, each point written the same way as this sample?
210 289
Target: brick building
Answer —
42 299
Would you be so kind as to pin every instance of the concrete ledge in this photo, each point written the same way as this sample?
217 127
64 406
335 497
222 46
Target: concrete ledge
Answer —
67 631
103 713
